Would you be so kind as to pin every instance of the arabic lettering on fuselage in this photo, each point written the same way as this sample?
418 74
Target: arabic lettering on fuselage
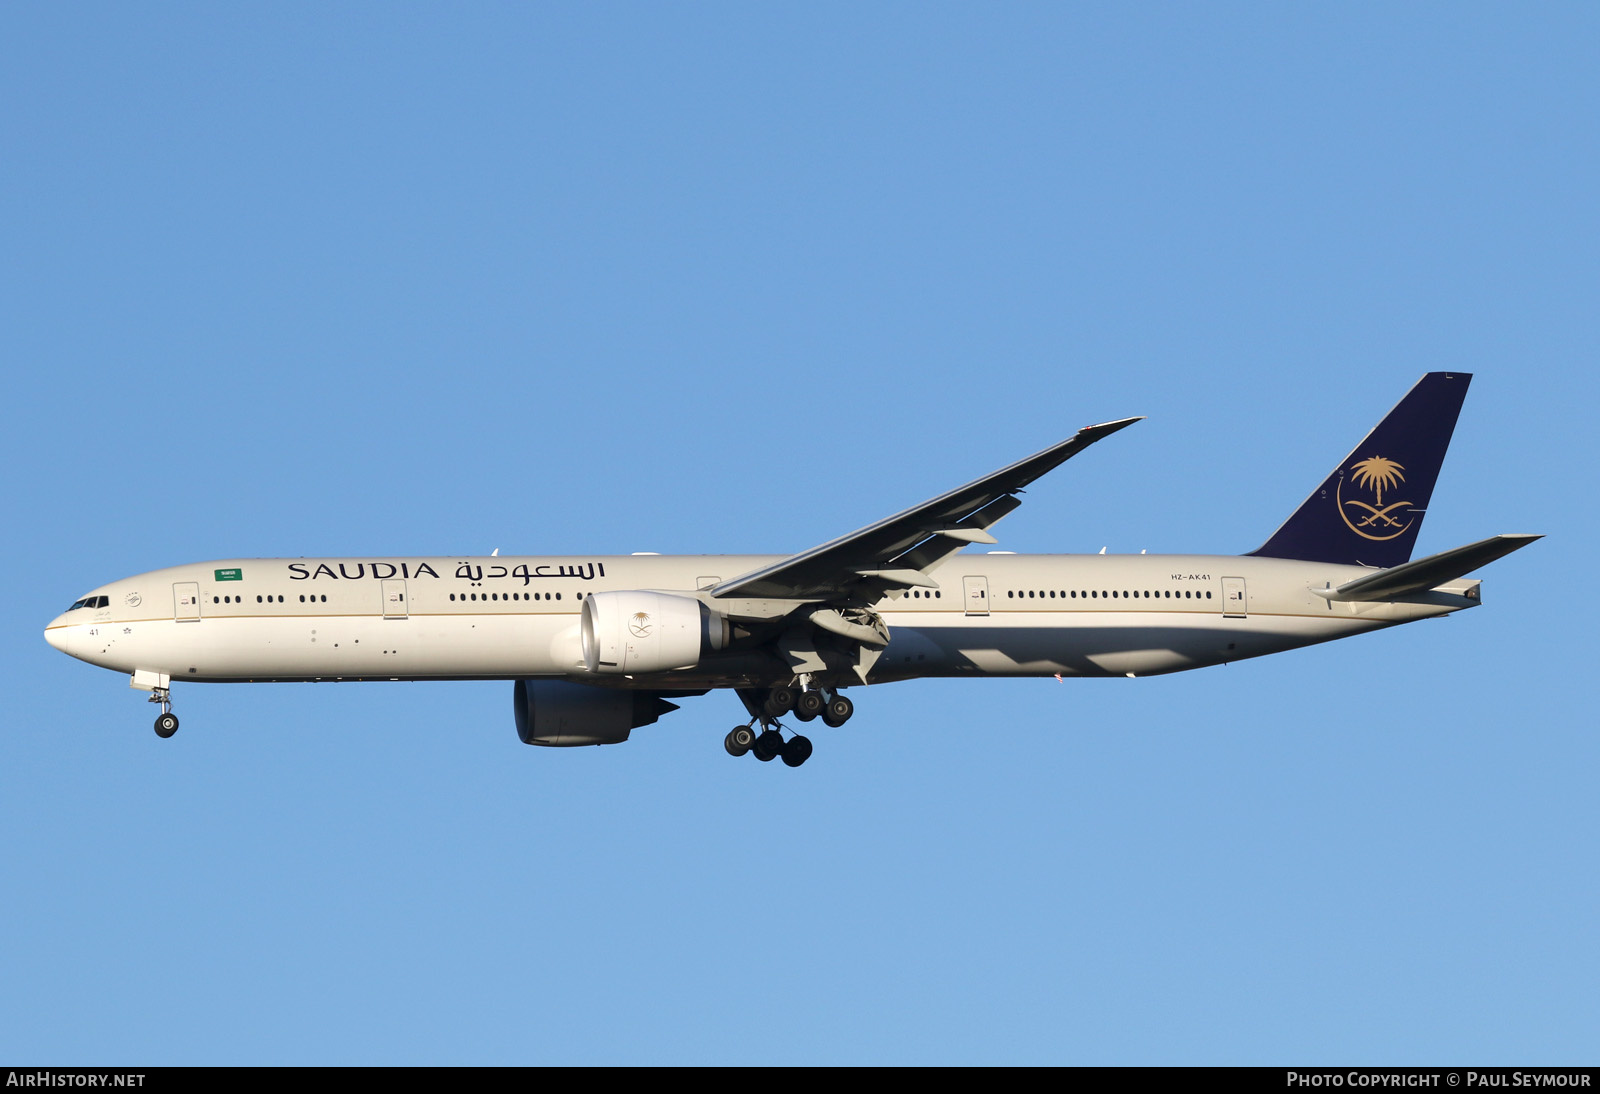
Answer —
465 571
583 571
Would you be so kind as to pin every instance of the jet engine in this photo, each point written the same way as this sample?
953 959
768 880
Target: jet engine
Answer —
561 714
640 632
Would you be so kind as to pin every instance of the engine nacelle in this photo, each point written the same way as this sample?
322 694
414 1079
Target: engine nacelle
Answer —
561 714
639 632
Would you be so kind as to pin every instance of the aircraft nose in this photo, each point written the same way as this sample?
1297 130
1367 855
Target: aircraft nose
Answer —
56 633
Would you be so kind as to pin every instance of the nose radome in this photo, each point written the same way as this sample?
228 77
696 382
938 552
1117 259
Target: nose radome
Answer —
56 632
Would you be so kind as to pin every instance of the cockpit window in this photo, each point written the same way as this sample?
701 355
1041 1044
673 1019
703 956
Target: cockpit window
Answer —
76 604
91 602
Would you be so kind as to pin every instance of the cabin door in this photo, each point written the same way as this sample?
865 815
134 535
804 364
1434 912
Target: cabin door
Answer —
976 590
1234 605
186 601
394 598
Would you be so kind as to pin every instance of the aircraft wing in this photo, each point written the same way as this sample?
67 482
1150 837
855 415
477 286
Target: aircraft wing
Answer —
895 552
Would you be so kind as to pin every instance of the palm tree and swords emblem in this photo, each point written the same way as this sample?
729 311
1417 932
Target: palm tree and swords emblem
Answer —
1376 473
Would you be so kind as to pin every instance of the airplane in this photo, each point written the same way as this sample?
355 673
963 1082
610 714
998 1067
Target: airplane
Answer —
598 647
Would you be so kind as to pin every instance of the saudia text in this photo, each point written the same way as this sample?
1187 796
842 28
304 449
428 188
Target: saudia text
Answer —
466 571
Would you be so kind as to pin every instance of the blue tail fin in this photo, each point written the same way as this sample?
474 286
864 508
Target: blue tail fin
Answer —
1369 511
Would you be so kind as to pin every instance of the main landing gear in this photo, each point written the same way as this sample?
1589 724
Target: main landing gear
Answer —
834 712
767 706
166 721
768 745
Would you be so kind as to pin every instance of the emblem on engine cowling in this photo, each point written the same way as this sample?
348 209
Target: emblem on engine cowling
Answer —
1374 520
639 624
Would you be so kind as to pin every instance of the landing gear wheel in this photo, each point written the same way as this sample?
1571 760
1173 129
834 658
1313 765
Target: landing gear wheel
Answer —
809 705
838 711
780 701
166 725
767 746
739 740
797 751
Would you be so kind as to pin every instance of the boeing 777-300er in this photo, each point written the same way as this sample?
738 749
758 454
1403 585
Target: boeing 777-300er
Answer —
597 647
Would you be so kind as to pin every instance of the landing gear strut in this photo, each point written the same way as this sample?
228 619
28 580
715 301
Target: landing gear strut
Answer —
166 721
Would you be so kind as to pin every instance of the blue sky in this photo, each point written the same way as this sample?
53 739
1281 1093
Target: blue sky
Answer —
280 280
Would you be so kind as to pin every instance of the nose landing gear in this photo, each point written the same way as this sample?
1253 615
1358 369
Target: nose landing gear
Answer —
166 721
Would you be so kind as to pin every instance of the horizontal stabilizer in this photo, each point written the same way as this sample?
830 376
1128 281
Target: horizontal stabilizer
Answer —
1428 573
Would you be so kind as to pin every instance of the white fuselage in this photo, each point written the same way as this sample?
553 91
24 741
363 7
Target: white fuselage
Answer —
506 618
